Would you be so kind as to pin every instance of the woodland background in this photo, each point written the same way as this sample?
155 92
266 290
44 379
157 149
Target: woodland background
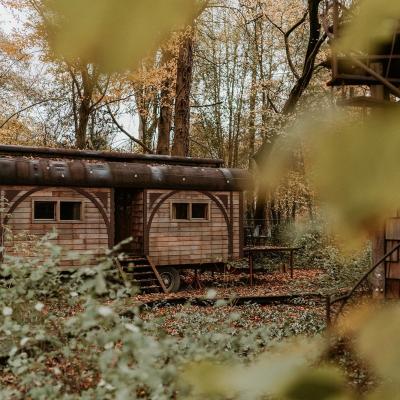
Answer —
225 86
218 79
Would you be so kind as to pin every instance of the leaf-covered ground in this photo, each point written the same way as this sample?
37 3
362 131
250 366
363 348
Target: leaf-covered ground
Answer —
282 320
279 320
237 284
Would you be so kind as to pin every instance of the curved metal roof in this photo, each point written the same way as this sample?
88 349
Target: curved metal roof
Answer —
84 173
45 152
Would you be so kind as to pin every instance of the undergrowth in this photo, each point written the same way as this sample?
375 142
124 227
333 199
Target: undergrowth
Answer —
62 336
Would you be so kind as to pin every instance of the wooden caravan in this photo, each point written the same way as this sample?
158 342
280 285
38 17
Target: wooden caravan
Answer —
180 212
381 72
380 68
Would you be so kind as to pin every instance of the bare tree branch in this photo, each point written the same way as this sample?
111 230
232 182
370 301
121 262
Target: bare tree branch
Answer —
113 101
75 81
120 127
102 93
25 109
207 105
271 103
286 40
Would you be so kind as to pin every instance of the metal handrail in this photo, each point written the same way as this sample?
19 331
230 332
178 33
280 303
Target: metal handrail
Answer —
344 299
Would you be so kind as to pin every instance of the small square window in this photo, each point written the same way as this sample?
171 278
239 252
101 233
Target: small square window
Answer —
180 211
199 211
44 210
70 211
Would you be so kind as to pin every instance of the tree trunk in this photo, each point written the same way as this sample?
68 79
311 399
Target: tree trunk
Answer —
252 113
85 108
88 84
259 214
166 103
142 128
182 101
81 133
142 112
315 41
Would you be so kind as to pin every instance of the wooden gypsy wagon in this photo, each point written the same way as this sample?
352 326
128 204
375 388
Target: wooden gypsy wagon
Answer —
179 212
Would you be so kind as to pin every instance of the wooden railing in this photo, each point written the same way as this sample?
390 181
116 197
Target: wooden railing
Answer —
345 298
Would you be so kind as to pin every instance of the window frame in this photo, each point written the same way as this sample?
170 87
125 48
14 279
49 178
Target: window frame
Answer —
41 221
207 203
58 219
69 220
172 211
190 203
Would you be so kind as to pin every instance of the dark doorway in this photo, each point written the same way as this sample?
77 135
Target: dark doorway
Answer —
129 219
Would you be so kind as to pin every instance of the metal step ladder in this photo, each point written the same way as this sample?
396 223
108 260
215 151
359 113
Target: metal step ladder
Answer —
140 271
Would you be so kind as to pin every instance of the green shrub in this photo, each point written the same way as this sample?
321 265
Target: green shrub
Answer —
71 336
62 336
319 249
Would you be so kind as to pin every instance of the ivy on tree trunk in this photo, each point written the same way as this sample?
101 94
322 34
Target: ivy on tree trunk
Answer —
166 105
182 102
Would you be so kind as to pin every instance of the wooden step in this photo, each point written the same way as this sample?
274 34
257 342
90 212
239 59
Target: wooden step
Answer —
150 287
143 281
136 268
141 271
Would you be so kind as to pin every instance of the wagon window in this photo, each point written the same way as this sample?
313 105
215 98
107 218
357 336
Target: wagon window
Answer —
199 211
44 210
70 210
180 211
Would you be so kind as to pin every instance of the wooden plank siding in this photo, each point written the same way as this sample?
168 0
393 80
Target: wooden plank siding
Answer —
392 267
90 236
392 238
154 232
173 242
137 223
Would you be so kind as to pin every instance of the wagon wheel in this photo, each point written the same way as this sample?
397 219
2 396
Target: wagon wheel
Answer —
171 279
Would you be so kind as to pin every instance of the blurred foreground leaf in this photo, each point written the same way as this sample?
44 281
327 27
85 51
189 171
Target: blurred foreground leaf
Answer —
270 375
372 23
114 34
355 168
318 384
378 342
352 165
375 331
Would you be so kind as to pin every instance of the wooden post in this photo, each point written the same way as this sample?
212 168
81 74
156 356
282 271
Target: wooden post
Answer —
328 311
378 240
291 263
378 251
251 267
282 255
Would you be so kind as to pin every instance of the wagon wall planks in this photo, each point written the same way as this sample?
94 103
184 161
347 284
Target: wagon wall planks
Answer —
216 239
89 236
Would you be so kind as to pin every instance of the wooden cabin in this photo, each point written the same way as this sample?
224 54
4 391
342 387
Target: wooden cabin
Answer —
362 69
381 72
181 212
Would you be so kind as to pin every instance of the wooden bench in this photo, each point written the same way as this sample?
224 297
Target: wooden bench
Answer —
251 251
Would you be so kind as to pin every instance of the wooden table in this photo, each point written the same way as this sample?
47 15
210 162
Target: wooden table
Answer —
251 251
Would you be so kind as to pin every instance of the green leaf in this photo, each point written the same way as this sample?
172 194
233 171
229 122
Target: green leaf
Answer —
317 384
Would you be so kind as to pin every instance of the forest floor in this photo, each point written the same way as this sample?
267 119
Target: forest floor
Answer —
302 316
233 284
246 330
